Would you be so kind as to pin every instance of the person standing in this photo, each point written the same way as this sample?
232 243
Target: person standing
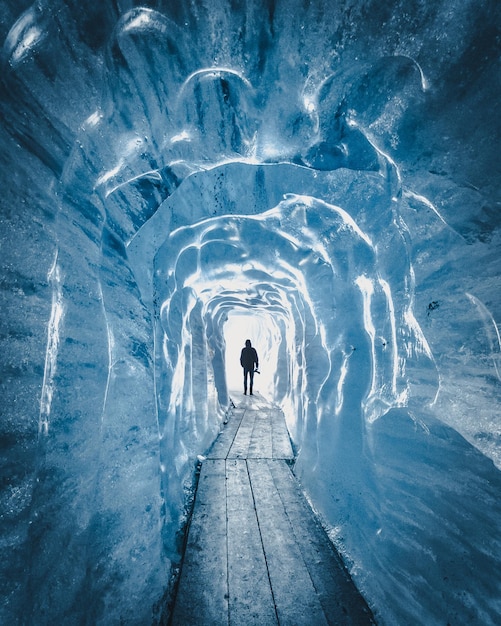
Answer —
249 361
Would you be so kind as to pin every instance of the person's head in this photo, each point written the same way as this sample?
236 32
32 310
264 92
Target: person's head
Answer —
248 343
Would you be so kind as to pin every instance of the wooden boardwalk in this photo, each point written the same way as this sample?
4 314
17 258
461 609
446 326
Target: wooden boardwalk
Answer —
255 553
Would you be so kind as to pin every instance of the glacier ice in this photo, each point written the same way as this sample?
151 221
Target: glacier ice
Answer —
323 179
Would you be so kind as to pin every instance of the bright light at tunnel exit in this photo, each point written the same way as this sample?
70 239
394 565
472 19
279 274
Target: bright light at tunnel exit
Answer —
260 327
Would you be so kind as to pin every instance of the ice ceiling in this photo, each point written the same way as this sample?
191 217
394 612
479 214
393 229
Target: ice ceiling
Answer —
319 176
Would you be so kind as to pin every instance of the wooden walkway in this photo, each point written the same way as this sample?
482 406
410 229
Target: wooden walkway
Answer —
255 553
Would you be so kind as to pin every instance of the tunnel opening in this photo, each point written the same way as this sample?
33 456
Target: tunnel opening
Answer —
263 331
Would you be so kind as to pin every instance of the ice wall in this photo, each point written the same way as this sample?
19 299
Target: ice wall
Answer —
323 175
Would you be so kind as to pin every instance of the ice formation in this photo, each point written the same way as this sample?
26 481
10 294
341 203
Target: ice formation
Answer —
321 177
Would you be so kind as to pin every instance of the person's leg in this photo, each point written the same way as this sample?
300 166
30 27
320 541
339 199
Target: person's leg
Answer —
251 377
245 381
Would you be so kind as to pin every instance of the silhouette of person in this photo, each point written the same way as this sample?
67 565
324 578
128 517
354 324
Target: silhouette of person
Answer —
249 360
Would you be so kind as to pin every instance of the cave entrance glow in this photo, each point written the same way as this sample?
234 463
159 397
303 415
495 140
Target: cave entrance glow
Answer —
261 328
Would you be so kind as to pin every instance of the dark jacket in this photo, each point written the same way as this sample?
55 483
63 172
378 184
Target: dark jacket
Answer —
248 358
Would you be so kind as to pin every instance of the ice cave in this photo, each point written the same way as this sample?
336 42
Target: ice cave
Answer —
321 175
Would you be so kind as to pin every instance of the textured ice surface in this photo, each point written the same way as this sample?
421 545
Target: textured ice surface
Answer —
323 180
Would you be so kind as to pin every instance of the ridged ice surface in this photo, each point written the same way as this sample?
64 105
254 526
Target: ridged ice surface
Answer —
320 177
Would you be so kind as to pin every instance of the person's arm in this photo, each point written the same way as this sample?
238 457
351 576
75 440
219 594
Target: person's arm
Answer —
256 359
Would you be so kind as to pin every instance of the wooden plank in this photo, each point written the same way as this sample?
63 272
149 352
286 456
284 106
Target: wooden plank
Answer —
254 433
202 596
256 554
225 439
282 448
250 598
295 596
260 446
340 599
240 446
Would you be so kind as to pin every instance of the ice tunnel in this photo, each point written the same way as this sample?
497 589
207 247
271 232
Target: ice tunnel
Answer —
321 177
